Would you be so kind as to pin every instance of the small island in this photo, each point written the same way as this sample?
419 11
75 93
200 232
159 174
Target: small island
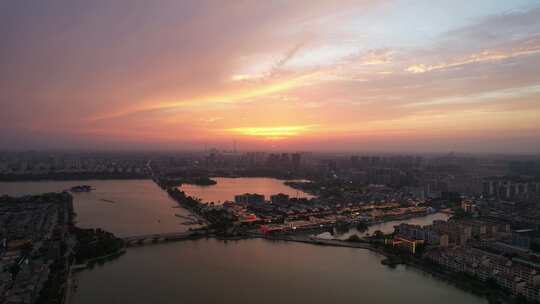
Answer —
177 182
81 188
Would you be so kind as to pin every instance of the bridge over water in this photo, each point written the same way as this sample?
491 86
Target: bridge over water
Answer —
161 237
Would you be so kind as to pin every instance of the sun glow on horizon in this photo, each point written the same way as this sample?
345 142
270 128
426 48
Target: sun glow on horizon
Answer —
274 133
295 75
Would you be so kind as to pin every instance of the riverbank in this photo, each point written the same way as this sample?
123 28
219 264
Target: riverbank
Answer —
405 217
168 182
392 260
465 283
239 271
494 294
155 223
474 286
90 262
306 186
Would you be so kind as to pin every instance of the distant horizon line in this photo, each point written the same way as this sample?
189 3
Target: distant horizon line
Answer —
337 151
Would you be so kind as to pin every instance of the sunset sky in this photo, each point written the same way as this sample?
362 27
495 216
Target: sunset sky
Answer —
415 76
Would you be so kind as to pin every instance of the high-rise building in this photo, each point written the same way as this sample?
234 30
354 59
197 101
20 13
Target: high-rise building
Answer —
296 161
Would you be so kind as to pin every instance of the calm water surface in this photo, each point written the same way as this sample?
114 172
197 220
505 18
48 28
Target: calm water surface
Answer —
258 271
227 188
388 227
211 271
133 207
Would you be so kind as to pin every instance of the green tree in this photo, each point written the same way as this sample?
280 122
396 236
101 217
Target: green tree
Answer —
362 227
354 238
520 299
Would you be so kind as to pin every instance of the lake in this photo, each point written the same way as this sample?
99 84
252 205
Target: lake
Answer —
226 188
259 271
132 207
212 271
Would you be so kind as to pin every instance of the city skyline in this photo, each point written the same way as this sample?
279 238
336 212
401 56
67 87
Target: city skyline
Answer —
329 76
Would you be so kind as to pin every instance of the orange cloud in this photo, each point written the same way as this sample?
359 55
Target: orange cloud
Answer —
484 56
237 96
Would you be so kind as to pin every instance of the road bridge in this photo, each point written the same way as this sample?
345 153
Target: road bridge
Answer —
160 237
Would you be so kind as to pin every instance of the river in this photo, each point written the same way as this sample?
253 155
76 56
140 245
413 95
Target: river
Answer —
212 271
387 227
